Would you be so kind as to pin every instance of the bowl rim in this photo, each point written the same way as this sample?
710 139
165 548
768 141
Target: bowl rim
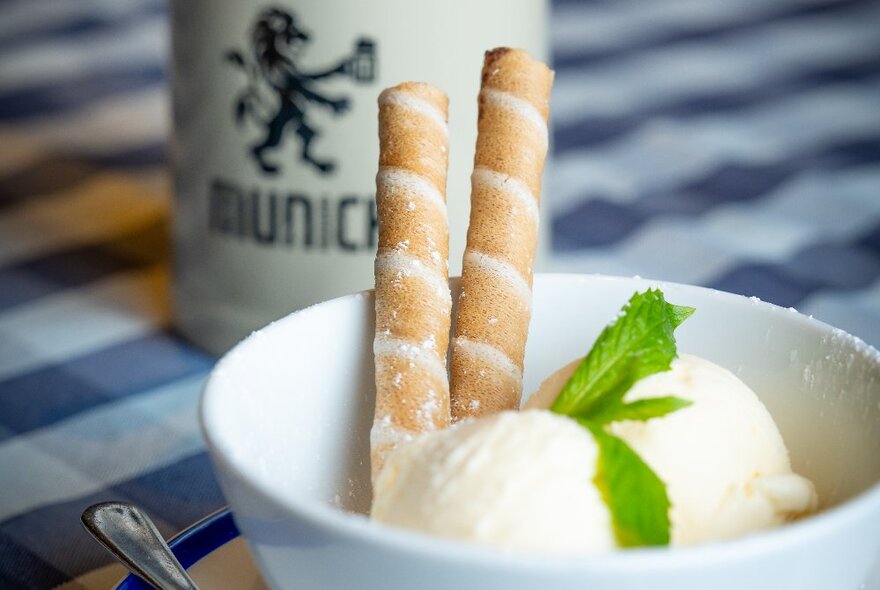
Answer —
358 527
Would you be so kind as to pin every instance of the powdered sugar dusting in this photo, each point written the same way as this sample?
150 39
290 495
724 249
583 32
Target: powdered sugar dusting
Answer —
490 355
398 181
405 266
385 434
841 339
505 272
427 413
415 354
847 368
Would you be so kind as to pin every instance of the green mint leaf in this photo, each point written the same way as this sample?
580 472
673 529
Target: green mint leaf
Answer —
634 494
639 343
642 410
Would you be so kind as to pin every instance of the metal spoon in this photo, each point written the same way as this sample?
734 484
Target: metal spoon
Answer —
129 534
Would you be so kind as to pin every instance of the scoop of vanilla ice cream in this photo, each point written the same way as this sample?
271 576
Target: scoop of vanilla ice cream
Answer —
519 480
722 458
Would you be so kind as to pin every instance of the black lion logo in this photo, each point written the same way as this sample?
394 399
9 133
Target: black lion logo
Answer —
278 93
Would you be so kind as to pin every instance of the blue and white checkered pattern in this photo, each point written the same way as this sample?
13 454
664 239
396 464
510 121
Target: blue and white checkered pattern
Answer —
730 144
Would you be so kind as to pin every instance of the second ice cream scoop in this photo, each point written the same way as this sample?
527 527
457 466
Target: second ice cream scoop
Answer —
723 460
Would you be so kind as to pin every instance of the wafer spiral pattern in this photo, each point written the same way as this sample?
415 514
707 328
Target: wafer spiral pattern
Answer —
495 303
413 302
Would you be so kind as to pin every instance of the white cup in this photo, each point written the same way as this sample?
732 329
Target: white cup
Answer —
287 415
275 145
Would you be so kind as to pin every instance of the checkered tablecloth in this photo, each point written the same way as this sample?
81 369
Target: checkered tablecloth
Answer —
729 144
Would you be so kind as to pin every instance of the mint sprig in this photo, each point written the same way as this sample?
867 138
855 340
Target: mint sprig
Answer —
639 343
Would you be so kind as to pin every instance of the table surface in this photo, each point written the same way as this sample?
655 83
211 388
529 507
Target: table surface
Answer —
728 144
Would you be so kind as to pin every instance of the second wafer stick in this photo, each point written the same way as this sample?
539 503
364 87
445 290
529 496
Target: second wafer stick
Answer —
495 303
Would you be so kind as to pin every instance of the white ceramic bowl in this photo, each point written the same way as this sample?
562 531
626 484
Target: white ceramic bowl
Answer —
287 415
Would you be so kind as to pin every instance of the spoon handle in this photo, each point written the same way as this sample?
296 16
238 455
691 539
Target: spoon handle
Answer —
127 532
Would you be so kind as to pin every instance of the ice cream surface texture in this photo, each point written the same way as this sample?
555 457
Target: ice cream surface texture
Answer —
525 480
518 480
725 465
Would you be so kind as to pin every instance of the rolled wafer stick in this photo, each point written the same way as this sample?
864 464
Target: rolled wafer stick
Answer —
413 303
494 307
